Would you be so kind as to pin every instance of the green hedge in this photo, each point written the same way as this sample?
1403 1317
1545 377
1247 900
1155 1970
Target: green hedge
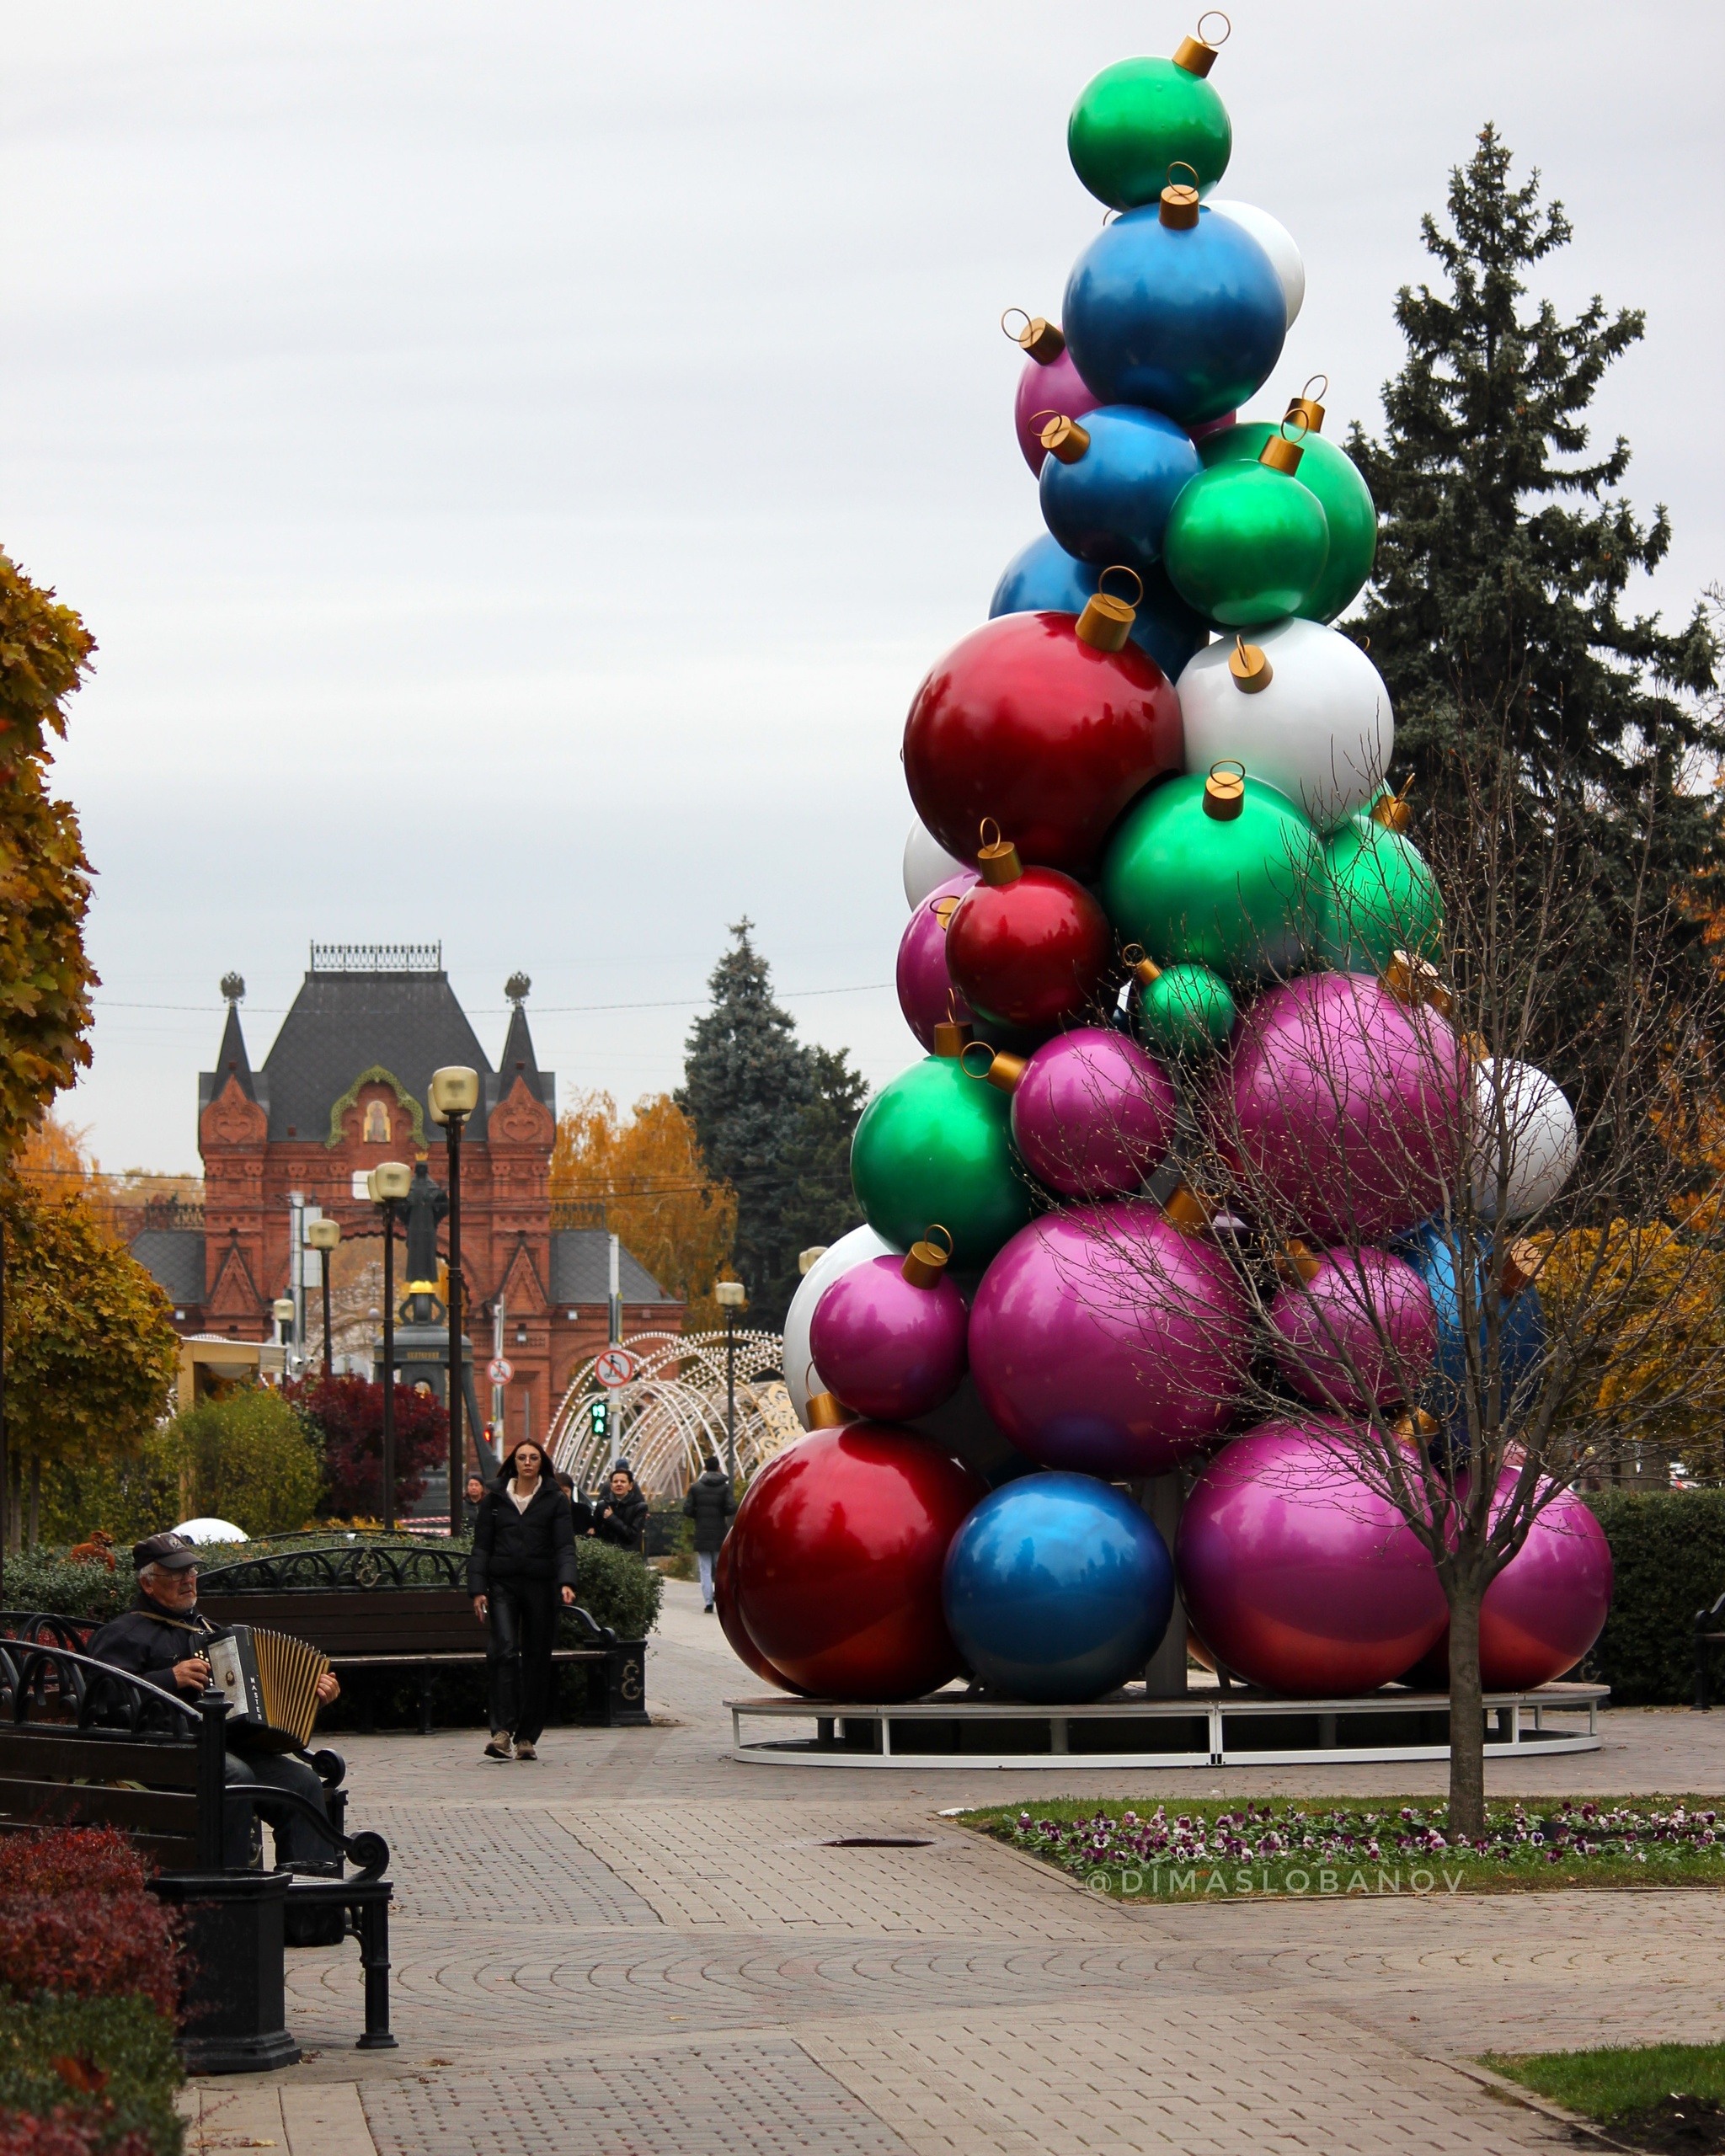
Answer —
46 1579
1668 1552
125 2040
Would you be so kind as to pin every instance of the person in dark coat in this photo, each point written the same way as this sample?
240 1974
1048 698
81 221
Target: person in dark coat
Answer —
158 1638
620 1513
578 1504
710 1502
523 1557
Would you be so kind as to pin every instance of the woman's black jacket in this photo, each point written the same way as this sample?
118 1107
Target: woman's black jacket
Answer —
620 1520
516 1548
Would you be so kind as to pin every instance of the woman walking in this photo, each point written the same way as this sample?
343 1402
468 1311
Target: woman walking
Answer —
523 1554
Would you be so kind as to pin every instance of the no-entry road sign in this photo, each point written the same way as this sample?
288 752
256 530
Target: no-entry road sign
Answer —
615 1366
499 1371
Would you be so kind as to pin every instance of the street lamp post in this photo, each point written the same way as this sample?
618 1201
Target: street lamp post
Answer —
323 1235
387 1182
731 1296
455 1094
282 1310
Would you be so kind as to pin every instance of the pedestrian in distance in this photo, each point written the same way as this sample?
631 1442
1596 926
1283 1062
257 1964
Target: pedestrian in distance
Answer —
522 1560
476 1489
620 1516
578 1504
710 1501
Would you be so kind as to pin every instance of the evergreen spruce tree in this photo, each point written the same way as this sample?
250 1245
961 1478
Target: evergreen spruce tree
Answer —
774 1118
1495 612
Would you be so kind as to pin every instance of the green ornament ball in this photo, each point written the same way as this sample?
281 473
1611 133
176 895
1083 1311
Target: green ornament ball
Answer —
936 1146
1379 897
1236 894
1137 118
1244 544
1185 1011
1333 476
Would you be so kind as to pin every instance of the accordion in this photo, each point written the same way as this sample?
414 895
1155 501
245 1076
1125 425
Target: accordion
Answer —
270 1682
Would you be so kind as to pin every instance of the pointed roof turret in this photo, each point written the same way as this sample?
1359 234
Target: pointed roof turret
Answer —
231 1060
518 1059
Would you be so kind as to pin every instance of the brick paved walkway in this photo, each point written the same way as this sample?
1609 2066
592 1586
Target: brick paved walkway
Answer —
639 1946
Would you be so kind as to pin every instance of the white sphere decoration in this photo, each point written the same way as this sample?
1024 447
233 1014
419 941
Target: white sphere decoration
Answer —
1540 1126
209 1530
1277 242
927 865
855 1248
1320 730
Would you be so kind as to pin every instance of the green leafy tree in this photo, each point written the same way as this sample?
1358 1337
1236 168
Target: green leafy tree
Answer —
773 1119
252 1459
1496 612
91 1350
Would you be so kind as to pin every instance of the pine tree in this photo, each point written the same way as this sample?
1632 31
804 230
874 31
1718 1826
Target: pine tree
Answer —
821 1204
1496 612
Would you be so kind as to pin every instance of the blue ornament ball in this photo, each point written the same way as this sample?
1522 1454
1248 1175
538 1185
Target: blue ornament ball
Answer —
1522 1338
1189 323
1057 1588
1043 578
1113 503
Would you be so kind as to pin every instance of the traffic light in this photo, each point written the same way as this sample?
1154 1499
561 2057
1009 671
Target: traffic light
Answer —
599 1415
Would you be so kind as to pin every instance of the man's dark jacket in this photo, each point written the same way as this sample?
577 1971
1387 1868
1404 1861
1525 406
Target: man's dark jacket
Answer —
710 1501
518 1548
620 1520
148 1640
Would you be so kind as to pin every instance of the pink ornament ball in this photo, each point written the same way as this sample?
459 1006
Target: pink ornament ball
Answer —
1299 1577
889 1349
1092 1115
926 995
1057 387
1105 1341
1362 1331
1340 1109
1547 1607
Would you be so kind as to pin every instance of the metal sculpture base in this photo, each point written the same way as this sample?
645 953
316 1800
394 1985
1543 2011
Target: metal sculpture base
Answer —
1204 1729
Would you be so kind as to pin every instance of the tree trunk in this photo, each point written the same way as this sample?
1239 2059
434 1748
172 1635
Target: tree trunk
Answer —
35 1522
1467 1732
14 1506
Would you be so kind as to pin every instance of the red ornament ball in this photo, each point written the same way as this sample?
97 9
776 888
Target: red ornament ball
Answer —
1033 953
837 1551
730 1622
1024 723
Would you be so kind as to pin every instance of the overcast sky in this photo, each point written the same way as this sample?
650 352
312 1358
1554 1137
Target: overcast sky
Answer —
518 460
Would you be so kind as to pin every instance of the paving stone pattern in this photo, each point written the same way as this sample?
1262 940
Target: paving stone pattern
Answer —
639 1946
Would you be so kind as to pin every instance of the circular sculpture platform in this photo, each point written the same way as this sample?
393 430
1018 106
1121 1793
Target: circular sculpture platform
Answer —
1204 1728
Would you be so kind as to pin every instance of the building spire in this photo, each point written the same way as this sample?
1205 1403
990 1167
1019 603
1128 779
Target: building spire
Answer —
231 1060
519 1060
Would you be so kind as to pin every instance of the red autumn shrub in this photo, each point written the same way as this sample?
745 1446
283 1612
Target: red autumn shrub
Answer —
348 1411
86 1944
65 2133
63 1858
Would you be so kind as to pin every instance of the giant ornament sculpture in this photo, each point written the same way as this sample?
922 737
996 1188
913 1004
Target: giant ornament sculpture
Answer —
1192 1121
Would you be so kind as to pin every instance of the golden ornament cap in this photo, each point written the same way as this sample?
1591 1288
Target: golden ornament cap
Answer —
925 1261
1225 790
1520 1267
945 908
1189 1210
1417 1424
1106 624
1393 811
1281 455
1039 339
1413 981
951 1036
1063 438
1197 54
997 858
1306 408
1144 968
827 1411
1249 665
1001 1071
1295 1261
1179 202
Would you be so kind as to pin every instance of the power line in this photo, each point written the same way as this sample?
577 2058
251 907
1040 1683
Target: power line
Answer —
498 1011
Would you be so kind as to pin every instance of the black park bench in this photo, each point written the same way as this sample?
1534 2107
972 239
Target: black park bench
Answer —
379 1611
1709 1633
85 1745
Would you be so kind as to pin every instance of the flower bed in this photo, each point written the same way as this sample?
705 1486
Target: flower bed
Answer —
1388 1846
89 1987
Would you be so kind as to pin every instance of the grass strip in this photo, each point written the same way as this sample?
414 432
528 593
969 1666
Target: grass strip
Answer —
1652 2096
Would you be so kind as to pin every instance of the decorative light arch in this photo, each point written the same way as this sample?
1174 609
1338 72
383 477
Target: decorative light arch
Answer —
672 1411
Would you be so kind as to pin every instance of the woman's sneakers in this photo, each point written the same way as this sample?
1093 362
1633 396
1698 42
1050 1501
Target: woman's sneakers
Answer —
526 1752
502 1746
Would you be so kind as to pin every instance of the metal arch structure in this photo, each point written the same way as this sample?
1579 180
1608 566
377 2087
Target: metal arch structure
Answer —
672 1412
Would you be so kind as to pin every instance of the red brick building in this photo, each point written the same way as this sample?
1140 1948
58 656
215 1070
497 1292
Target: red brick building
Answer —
342 1087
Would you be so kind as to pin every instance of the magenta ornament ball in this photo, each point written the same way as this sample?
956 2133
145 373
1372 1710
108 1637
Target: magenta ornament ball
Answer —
924 986
888 1349
1296 1575
1057 387
1340 1109
1362 1331
1092 1115
1104 1340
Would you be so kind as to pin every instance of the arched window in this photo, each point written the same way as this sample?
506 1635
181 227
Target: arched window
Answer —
377 1124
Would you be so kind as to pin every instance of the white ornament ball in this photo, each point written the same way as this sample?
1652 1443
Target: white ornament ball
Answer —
855 1248
1540 1125
927 865
1277 242
1320 730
